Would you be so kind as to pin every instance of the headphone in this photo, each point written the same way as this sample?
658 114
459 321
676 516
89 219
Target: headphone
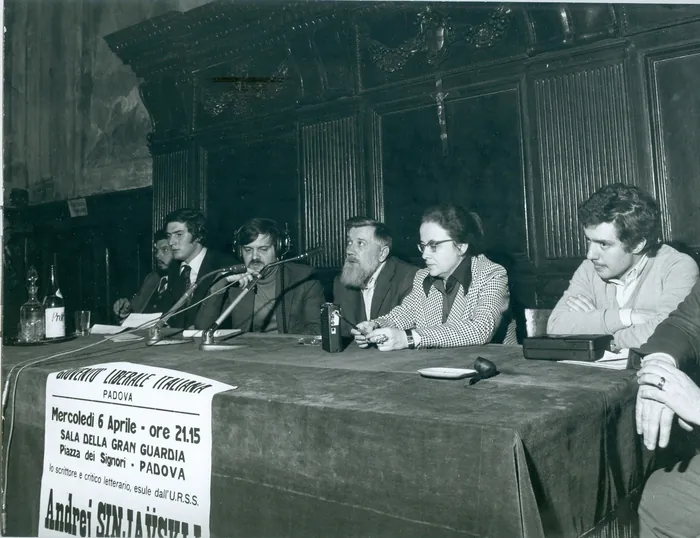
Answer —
282 245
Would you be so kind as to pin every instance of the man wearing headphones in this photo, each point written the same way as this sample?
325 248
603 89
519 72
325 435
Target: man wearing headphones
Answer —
192 261
288 298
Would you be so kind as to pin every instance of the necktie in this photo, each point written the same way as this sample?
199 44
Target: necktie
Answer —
162 285
185 275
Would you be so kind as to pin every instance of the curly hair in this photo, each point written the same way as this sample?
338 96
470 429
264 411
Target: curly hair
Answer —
634 213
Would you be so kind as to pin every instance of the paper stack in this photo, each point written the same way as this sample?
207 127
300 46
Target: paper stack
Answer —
610 361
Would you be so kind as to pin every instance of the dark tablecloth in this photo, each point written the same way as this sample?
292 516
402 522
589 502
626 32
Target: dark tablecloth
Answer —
358 444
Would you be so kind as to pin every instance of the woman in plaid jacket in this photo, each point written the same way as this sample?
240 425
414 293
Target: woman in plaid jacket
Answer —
459 299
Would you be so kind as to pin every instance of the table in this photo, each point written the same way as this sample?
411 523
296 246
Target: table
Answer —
358 444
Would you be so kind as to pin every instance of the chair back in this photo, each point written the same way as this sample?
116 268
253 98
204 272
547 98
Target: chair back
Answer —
536 321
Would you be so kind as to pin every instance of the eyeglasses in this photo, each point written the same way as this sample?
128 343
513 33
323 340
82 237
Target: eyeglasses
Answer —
432 245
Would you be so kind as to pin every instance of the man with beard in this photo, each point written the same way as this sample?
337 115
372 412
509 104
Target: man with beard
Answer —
372 281
630 282
150 297
287 298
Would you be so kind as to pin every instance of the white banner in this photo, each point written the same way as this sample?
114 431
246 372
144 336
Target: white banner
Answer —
127 452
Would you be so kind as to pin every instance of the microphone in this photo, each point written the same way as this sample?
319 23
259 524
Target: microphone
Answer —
155 333
237 269
208 343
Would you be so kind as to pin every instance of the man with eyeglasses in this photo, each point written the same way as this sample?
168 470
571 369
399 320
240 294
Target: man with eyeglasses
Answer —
630 282
150 297
461 298
372 281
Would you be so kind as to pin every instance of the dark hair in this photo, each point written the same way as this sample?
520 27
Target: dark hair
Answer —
461 225
159 236
193 220
634 213
381 231
252 228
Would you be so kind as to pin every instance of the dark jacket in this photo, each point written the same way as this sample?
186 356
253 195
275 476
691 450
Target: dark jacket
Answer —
203 315
297 307
679 334
393 284
141 302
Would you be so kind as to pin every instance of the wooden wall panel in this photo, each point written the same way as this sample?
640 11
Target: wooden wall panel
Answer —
332 184
584 141
480 166
173 185
99 257
673 78
253 177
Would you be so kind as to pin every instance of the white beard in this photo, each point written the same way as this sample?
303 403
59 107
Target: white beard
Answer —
355 274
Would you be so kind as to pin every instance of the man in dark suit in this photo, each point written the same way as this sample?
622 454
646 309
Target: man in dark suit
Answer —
287 298
372 281
151 296
192 261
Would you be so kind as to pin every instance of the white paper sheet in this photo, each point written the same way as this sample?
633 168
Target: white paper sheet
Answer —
106 329
190 333
609 361
137 320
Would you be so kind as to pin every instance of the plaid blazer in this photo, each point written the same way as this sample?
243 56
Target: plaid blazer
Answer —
474 317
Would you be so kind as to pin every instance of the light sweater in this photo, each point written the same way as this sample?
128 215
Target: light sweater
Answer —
664 282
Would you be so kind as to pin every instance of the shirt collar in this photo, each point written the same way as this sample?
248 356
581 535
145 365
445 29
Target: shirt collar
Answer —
196 263
373 279
462 275
632 274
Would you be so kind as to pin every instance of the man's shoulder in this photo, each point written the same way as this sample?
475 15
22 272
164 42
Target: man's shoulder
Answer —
668 255
219 258
402 268
153 276
299 271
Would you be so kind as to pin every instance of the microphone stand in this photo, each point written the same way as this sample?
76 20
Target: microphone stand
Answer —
155 333
208 341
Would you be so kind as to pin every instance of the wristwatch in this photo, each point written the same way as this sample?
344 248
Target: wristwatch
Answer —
409 339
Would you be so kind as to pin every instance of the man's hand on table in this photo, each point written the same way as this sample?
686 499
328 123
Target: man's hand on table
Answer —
655 419
122 308
667 385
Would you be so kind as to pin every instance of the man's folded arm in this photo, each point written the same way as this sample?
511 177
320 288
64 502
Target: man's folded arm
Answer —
678 283
565 321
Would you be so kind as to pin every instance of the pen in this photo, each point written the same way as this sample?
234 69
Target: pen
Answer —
363 333
382 338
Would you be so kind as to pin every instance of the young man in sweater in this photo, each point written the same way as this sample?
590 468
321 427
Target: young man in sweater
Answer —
629 282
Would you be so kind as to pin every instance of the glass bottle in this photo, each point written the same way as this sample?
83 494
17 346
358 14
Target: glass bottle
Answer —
31 313
54 309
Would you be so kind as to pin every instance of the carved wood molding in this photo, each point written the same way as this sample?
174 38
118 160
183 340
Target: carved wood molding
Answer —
436 33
